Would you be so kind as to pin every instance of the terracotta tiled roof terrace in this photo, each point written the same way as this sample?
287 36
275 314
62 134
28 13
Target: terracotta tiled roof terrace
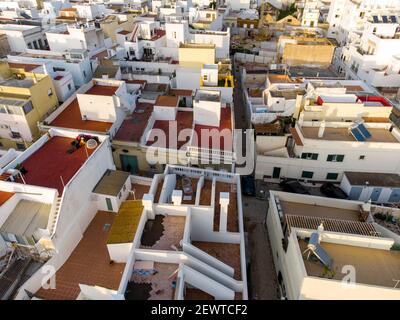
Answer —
133 126
51 161
88 264
71 118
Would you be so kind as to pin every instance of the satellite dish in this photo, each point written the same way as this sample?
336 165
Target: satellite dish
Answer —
91 144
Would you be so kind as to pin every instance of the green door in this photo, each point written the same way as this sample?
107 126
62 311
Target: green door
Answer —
129 163
109 204
277 173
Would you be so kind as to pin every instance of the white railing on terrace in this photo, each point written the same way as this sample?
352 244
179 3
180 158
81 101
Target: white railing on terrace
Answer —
194 172
205 153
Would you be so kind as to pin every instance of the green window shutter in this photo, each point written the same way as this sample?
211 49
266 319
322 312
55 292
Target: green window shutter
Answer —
330 157
315 156
307 174
340 158
332 176
304 155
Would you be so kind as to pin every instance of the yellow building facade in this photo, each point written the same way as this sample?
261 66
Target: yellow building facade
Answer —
25 99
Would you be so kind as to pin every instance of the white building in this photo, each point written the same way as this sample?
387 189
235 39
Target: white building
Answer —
24 37
346 18
322 250
321 151
58 198
75 62
200 254
98 107
377 187
375 56
80 37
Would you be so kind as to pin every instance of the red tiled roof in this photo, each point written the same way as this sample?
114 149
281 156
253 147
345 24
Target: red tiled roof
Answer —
27 67
71 118
58 78
4 196
52 161
136 81
68 9
124 32
184 120
379 99
296 136
167 101
225 143
158 33
102 90
88 264
133 126
181 92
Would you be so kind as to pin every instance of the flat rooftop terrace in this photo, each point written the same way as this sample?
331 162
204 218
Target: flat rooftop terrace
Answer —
232 221
52 161
71 118
343 134
88 264
309 210
133 126
374 266
228 253
308 216
207 139
152 283
184 120
26 217
101 90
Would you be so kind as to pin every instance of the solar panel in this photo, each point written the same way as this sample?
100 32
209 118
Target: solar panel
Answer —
364 131
314 239
357 134
323 256
385 19
375 18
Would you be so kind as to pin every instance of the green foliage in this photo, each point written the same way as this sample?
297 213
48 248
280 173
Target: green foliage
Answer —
287 11
396 247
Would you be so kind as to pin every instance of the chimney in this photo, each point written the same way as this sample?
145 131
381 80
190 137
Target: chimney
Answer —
177 197
147 202
321 129
223 218
320 230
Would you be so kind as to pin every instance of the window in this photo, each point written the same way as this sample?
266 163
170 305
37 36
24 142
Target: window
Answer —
84 73
55 69
332 176
362 157
307 174
27 108
20 146
15 134
69 86
374 30
335 157
205 77
309 156
123 187
362 14
174 35
50 92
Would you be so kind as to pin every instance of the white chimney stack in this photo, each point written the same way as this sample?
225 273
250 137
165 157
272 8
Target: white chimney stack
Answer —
321 129
177 197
